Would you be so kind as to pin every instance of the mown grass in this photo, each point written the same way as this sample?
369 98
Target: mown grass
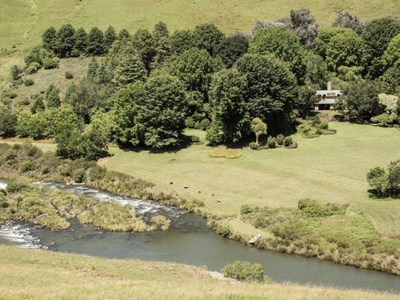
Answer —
31 274
329 169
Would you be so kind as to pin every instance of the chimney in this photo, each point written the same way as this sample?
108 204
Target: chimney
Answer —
329 86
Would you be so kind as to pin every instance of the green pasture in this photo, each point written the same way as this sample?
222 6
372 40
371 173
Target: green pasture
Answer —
23 22
329 168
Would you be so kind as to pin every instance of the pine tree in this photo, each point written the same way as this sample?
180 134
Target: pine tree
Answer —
52 97
109 37
38 105
80 42
130 70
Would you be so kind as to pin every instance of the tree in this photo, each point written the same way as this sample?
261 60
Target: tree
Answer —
258 127
129 70
207 36
95 42
181 40
392 53
125 114
360 101
304 26
87 96
272 89
160 32
123 34
391 79
145 46
49 39
232 48
227 96
194 68
284 45
377 35
15 73
317 72
92 68
23 127
66 41
346 49
385 183
346 20
110 36
324 37
80 42
38 105
161 114
8 122
52 97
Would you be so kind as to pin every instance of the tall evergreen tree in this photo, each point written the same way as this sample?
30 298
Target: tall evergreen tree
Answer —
80 42
145 47
49 39
110 36
130 70
95 42
38 105
66 40
53 97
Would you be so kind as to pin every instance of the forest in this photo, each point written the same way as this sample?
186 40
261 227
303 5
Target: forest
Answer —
143 89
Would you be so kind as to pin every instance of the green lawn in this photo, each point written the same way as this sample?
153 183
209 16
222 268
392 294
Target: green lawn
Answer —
329 168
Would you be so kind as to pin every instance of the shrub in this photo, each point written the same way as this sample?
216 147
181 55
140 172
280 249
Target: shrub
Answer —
245 209
189 122
271 143
29 82
324 125
195 139
315 121
279 139
205 124
65 169
254 146
50 63
26 166
244 270
69 75
287 141
33 67
313 209
294 145
10 156
79 175
14 187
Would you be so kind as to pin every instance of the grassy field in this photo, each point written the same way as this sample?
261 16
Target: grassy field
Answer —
23 22
32 274
330 169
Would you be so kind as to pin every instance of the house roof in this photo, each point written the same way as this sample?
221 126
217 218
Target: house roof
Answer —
327 93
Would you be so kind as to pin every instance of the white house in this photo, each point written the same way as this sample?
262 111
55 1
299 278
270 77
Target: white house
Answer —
328 97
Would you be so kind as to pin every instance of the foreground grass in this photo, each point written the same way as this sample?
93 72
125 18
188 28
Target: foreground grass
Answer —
32 274
329 169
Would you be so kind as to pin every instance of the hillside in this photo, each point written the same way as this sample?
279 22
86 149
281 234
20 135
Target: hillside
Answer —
31 18
31 274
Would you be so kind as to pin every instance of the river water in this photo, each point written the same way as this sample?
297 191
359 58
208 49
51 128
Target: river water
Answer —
188 241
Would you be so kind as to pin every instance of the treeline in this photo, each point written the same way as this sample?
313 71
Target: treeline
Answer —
147 87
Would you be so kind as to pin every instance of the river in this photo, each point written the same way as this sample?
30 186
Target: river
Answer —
188 241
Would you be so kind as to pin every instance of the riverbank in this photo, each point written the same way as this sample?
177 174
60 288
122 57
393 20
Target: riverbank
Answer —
74 276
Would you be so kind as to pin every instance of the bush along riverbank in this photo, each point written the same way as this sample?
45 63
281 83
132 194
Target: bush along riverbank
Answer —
338 233
22 164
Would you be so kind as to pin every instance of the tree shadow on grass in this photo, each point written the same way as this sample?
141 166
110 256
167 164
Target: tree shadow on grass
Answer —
186 142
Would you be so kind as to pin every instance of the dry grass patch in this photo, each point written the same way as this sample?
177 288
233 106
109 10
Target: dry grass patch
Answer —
227 153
